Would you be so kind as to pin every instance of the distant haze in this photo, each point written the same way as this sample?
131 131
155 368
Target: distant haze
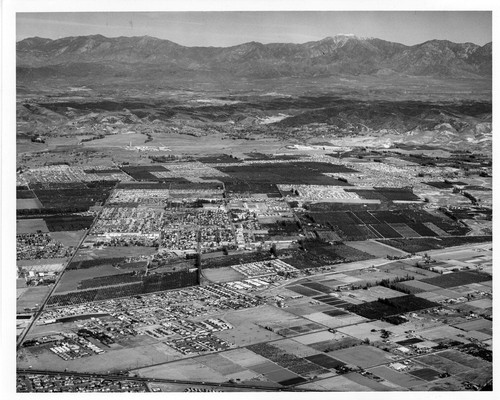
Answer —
233 28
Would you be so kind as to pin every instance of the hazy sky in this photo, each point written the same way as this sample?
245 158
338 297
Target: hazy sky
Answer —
231 28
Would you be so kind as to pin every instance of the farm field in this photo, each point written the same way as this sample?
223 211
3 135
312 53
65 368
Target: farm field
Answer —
184 370
245 333
32 298
363 356
31 225
72 278
23 204
115 360
387 307
397 378
224 274
376 249
415 245
112 252
42 262
70 238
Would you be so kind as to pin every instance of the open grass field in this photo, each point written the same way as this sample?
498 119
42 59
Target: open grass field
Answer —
364 330
224 274
278 374
463 253
450 384
339 383
450 294
477 376
179 143
32 297
111 360
72 278
458 279
398 378
431 296
246 333
293 347
20 291
335 322
136 139
443 364
369 383
68 238
373 293
220 364
375 249
407 267
183 370
41 262
363 356
266 315
31 225
373 276
418 286
482 303
475 325
111 252
24 204
24 146
21 283
244 357
317 337
464 359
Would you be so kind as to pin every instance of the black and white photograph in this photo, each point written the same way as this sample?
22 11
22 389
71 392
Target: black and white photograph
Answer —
248 198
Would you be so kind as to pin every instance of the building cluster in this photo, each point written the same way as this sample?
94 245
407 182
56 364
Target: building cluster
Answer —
40 278
250 214
67 345
33 246
192 228
40 383
70 351
189 170
198 344
185 328
265 268
168 316
262 282
39 274
149 197
67 174
146 312
138 220
380 174
316 193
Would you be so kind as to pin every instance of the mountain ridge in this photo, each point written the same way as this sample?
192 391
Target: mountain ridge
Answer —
338 55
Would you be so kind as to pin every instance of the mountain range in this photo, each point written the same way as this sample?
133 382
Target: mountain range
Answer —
348 55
